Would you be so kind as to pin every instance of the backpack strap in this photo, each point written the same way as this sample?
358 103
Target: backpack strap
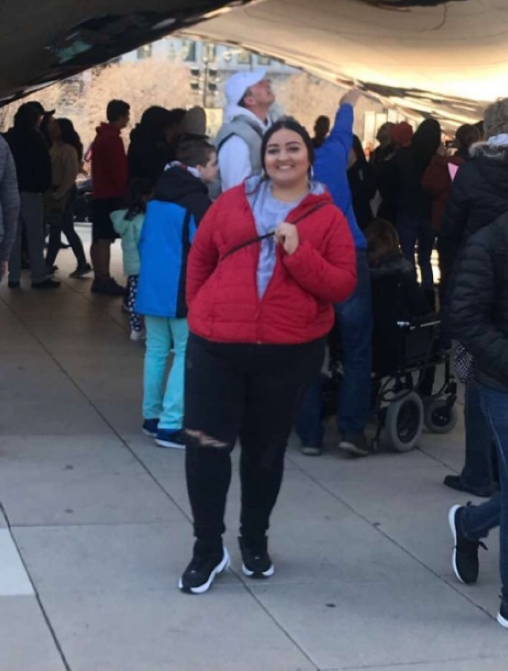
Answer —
259 238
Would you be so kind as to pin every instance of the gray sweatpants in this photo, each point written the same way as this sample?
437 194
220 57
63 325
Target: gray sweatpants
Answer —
31 222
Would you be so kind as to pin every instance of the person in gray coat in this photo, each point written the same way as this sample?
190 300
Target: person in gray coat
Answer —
9 204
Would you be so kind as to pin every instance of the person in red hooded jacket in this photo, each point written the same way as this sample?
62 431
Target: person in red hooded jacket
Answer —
269 260
109 184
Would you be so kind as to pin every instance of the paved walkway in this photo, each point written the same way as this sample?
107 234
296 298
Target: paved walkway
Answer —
96 531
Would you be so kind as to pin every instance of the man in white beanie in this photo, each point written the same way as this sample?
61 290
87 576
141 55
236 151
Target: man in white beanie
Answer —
249 97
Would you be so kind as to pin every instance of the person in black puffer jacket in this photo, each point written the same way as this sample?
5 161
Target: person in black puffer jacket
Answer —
479 317
479 195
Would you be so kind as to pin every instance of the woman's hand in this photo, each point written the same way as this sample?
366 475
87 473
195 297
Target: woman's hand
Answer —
287 235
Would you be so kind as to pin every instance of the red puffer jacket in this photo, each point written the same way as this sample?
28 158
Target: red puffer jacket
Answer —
297 306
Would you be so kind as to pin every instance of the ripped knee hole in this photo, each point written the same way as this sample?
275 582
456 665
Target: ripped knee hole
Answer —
202 439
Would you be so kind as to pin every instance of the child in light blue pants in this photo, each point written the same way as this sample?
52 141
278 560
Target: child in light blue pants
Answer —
179 202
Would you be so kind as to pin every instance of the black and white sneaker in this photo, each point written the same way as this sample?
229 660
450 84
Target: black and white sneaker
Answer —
465 552
502 616
256 560
203 569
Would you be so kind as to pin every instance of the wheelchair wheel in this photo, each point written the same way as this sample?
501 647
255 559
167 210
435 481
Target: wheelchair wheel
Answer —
440 416
404 422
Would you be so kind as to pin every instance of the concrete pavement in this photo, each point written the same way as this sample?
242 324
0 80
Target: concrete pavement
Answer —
95 530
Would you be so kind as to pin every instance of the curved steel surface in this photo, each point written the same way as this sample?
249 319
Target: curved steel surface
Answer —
427 55
46 40
422 54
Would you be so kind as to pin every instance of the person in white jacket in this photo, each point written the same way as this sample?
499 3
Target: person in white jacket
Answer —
249 97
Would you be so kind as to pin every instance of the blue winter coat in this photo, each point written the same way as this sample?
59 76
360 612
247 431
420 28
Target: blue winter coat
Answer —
180 201
330 168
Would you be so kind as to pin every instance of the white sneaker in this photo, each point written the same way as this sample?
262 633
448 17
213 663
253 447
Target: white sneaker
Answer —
138 336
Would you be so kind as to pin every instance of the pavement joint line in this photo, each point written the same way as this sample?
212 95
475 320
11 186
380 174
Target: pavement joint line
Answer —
14 578
279 625
394 542
35 594
438 460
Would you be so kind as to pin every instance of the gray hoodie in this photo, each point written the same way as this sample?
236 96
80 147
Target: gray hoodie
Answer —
9 200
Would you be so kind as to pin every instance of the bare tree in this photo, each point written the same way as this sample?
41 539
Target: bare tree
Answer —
306 97
84 99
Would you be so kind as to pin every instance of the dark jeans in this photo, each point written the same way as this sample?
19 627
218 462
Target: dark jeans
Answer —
354 318
414 230
480 452
246 391
478 521
67 227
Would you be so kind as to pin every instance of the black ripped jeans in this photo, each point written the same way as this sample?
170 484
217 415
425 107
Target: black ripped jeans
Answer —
250 392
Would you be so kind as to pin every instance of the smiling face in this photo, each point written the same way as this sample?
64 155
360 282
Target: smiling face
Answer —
287 159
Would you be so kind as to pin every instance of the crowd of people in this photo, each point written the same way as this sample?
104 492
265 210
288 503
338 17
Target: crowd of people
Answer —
243 254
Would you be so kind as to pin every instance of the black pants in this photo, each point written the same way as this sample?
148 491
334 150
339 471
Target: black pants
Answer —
65 226
251 392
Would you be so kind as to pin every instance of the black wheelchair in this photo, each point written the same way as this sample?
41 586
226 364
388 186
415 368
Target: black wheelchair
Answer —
412 385
405 395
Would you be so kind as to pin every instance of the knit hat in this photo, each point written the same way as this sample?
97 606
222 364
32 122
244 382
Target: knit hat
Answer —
402 133
194 122
238 84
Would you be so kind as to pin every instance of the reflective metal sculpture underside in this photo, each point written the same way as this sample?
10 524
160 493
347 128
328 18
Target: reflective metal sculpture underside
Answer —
426 55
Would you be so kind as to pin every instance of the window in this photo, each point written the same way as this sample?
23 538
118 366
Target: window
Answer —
209 53
244 58
144 52
189 51
264 60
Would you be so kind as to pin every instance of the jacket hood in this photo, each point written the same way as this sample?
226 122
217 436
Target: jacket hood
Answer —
176 183
107 128
316 188
390 265
494 152
233 111
491 162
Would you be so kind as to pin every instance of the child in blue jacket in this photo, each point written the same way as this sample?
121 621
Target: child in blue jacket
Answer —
179 202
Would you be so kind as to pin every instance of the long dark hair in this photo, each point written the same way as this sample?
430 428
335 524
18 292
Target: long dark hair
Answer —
426 141
358 149
70 136
289 123
139 192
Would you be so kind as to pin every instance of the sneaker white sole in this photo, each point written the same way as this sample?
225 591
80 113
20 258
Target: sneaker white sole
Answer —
453 528
311 451
169 443
149 433
266 574
352 449
220 568
502 621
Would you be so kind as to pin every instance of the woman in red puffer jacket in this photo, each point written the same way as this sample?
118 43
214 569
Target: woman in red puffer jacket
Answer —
268 262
